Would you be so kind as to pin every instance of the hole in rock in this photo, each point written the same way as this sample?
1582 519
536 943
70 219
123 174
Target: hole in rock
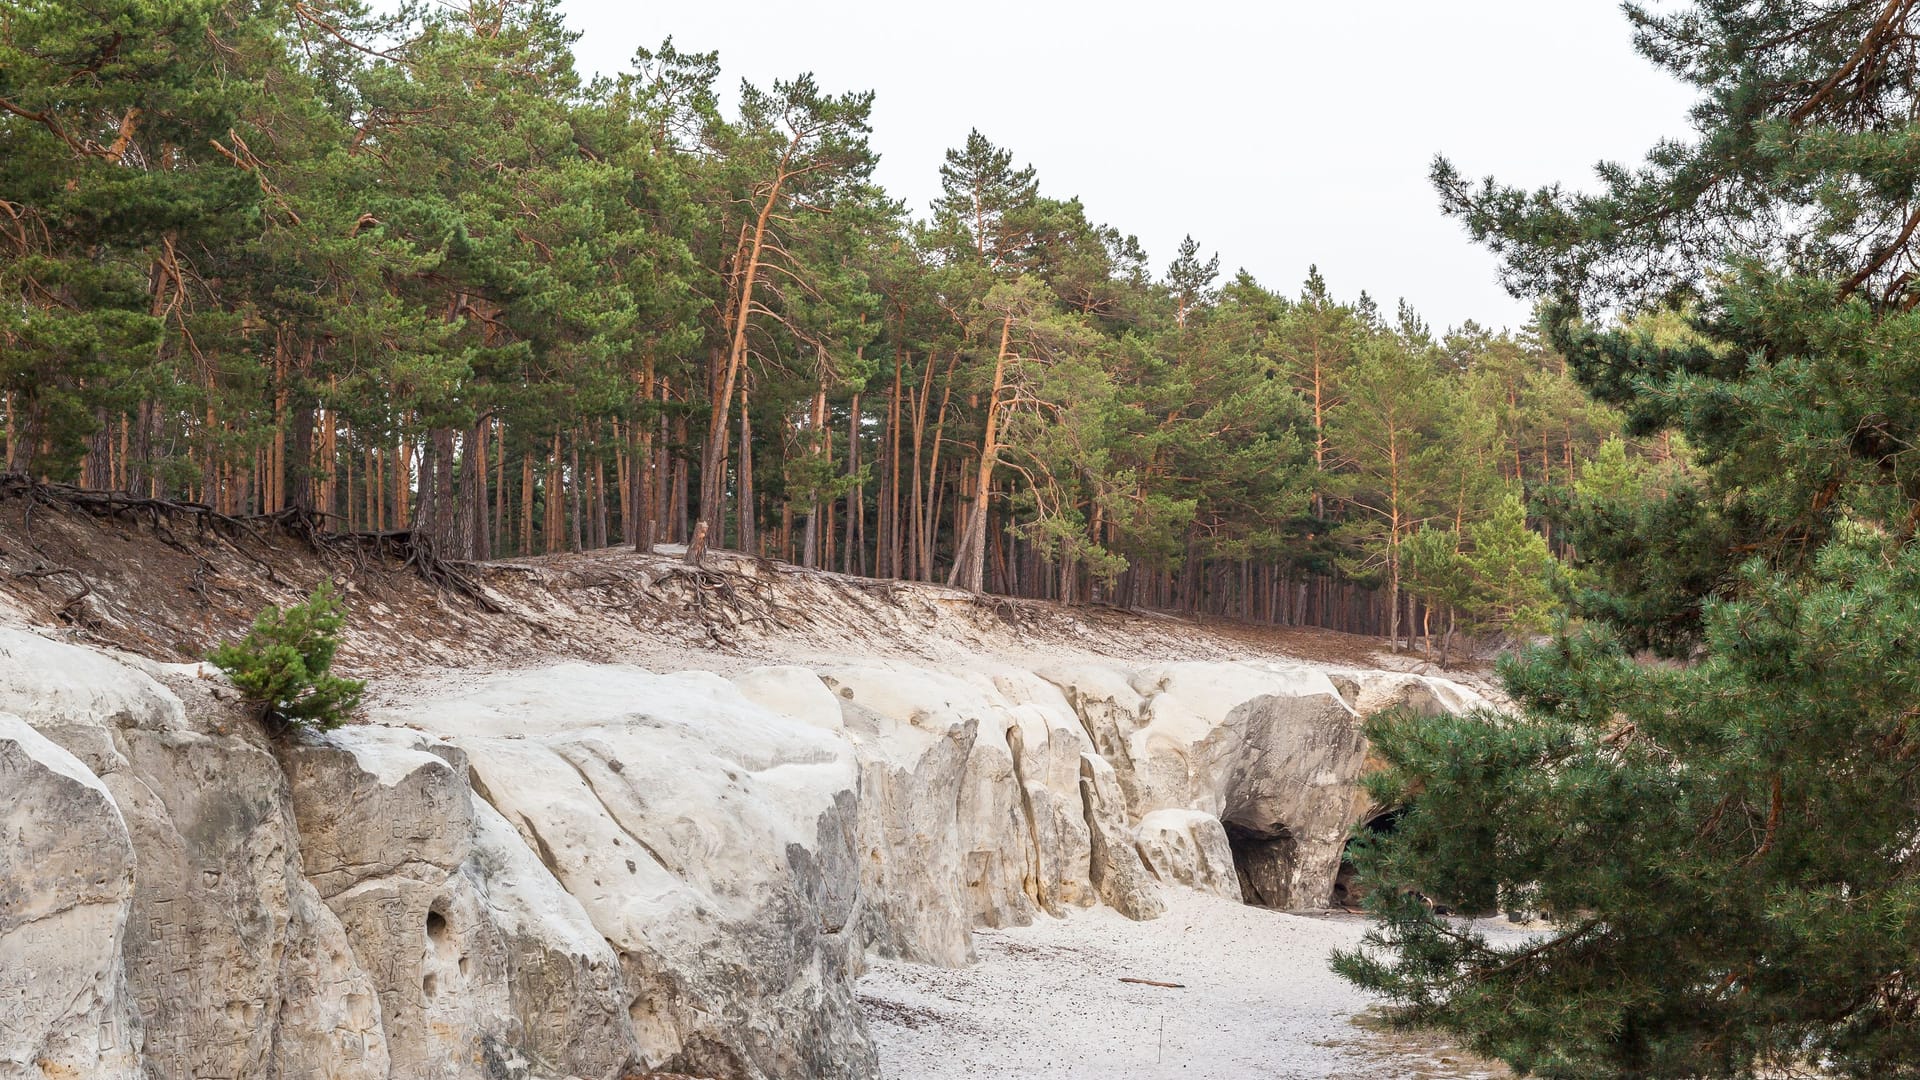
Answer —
436 927
441 948
430 985
1347 890
1263 857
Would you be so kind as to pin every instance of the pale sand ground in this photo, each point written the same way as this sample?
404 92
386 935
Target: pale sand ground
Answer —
1046 1002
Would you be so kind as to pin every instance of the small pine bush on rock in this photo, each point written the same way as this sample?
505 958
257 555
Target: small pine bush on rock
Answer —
284 665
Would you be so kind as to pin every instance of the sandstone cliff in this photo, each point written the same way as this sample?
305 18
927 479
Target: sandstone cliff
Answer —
585 869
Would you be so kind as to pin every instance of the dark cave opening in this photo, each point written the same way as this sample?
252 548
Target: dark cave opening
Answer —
1347 890
1263 858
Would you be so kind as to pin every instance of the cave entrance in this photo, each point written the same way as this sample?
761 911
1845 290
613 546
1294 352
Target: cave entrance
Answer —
1263 857
1347 890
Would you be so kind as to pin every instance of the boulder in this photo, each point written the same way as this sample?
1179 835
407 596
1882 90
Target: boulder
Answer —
1273 752
1189 848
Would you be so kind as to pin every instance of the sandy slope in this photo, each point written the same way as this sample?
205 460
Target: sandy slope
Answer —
1046 1002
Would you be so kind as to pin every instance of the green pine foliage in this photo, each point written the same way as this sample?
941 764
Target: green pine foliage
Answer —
1710 786
404 269
1725 847
285 665
1495 575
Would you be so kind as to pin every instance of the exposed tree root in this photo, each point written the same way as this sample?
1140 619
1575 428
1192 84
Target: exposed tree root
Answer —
157 513
720 600
412 551
731 599
1006 610
86 587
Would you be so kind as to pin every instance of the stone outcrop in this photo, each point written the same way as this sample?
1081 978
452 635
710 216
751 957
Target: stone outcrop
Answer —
594 870
66 887
708 840
1189 848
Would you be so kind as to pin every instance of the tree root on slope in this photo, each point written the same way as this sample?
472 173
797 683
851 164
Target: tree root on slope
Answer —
413 551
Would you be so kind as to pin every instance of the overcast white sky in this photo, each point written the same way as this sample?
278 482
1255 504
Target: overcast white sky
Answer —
1280 133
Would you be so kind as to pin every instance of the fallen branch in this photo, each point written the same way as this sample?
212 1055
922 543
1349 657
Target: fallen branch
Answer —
1153 982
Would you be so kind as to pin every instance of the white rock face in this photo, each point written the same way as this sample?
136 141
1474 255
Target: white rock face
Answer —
708 841
1190 848
479 957
76 696
1272 752
586 870
66 885
1118 866
230 963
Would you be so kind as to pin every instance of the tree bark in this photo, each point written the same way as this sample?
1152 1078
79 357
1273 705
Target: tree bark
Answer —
749 514
887 549
446 519
645 468
852 561
498 539
473 492
713 476
526 502
930 526
697 545
971 553
810 547
572 482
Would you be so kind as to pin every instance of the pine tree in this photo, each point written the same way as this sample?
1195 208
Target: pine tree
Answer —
1726 843
986 204
284 665
402 270
109 120
1389 433
1494 575
1189 279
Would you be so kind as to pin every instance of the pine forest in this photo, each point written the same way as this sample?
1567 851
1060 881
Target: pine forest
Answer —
412 274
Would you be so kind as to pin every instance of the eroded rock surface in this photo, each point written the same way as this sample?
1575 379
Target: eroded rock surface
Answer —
594 870
66 886
709 841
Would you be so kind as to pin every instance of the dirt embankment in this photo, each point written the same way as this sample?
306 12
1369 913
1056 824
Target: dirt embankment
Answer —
171 584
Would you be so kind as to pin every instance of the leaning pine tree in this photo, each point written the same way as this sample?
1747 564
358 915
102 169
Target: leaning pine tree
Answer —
1728 845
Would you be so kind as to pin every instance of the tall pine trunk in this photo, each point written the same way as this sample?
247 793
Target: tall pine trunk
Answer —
970 555
749 514
887 550
852 560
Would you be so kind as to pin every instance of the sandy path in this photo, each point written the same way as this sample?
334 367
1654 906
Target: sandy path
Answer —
1046 1002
